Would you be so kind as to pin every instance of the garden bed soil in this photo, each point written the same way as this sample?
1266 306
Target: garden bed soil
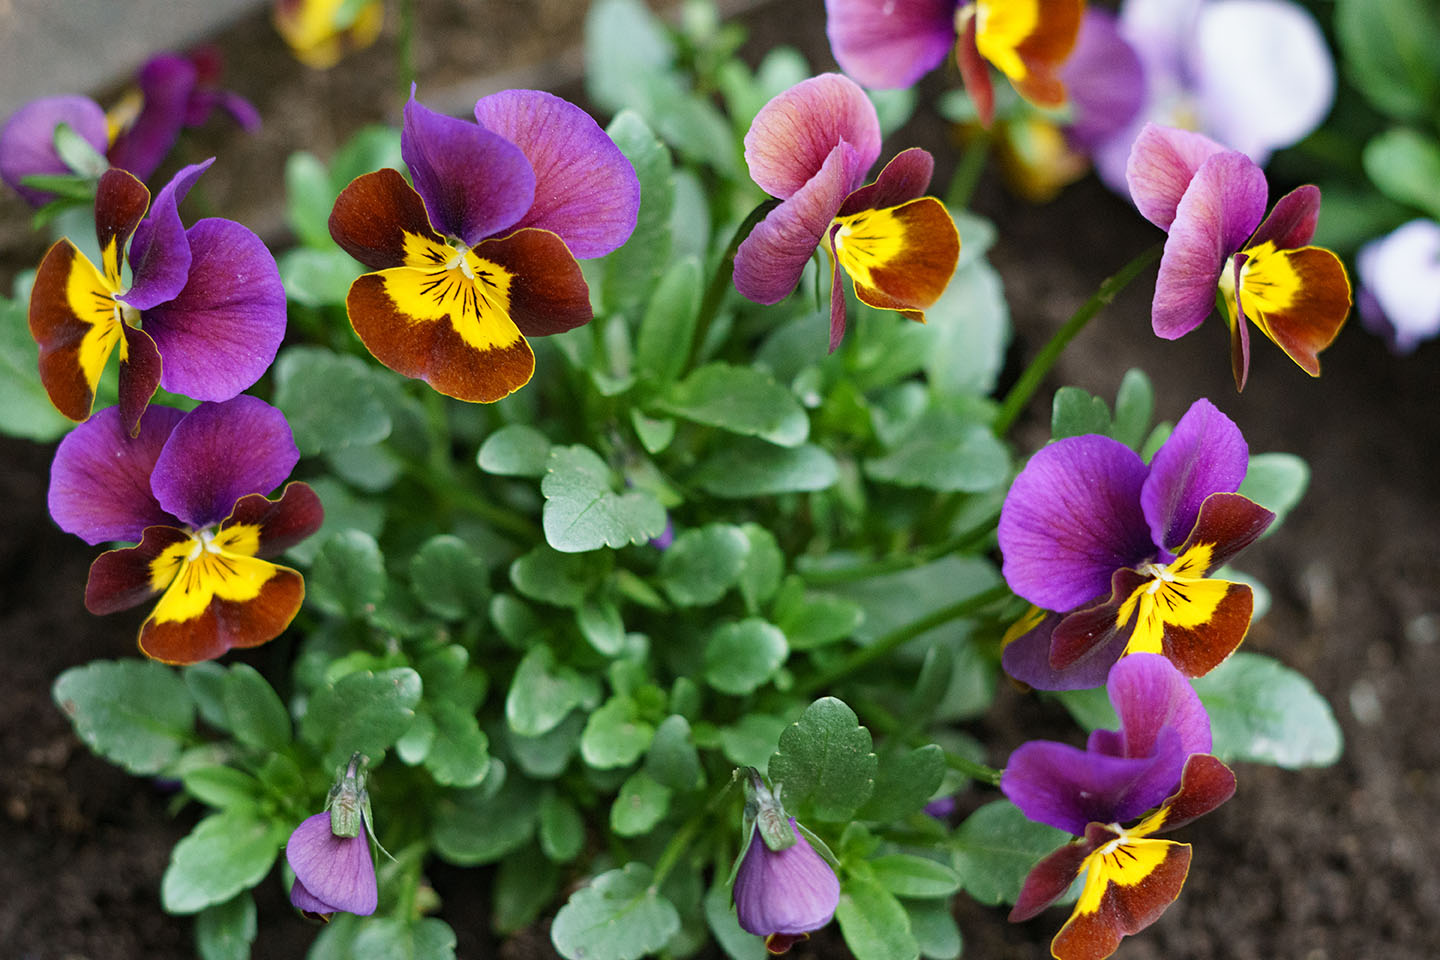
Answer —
1328 864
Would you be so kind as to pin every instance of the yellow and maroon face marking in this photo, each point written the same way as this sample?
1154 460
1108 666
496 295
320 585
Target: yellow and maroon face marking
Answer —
1129 881
1177 612
900 258
1298 298
1028 41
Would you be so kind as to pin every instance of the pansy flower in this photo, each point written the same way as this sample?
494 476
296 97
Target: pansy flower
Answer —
189 489
480 253
1121 552
320 32
330 852
201 313
1211 201
1160 753
892 43
811 147
1400 285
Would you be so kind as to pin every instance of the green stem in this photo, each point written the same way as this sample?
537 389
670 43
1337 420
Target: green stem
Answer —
879 717
405 44
865 656
1034 374
967 173
905 561
682 838
721 278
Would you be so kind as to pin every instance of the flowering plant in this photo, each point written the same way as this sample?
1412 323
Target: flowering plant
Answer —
634 557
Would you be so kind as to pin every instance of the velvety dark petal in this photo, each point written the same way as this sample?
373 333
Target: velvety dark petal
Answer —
903 179
219 453
165 83
839 309
547 292
159 252
974 71
1205 454
373 216
475 183
121 579
140 374
771 259
794 136
885 44
789 892
220 334
900 258
1163 161
280 523
1239 331
1150 695
224 624
72 318
1134 895
1027 659
27 142
1198 648
1071 518
120 203
1105 80
335 870
1222 205
585 189
1226 524
1205 784
1292 221
1048 880
100 478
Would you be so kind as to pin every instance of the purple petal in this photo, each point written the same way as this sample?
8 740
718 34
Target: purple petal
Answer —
1219 210
1205 454
27 143
202 103
1104 79
221 333
793 136
1400 284
159 252
1027 659
793 891
769 262
839 310
335 871
475 183
904 178
303 899
1069 788
1150 694
165 83
888 44
1292 220
585 189
1163 161
1071 519
219 453
100 478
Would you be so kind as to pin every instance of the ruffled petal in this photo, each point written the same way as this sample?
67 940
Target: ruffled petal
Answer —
1221 207
73 320
1071 519
900 258
1204 785
1298 298
140 373
379 220
219 453
100 478
1205 454
1226 524
794 135
1125 891
1150 695
337 871
1163 161
1292 221
121 579
905 178
282 523
888 44
221 333
27 142
585 189
159 252
475 183
547 292
120 203
1048 880
213 607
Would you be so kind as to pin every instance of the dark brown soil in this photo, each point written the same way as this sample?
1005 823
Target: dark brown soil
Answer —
1313 865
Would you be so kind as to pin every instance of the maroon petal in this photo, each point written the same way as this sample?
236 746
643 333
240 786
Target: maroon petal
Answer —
888 45
120 203
1226 523
100 478
794 135
585 189
1048 880
1292 221
1205 784
140 374
283 522
839 310
903 179
1163 160
27 143
373 215
1027 659
121 579
159 253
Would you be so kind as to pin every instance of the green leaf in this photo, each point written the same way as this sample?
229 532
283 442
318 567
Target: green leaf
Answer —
395 939
223 787
655 434
582 512
642 802
562 829
317 278
515 450
347 578
559 579
1276 481
1074 413
906 875
225 854
968 328
615 735
525 885
331 401
1134 408
906 782
825 762
460 754
225 931
995 848
25 407
362 712
741 657
370 148
543 692
483 824
257 716
1261 711
738 944
618 916
702 564
600 624
874 923
673 760
753 468
308 200
764 565
449 578
372 469
933 925
813 619
545 757
1391 52
752 739
667 329
742 400
946 451
135 713
1405 165
631 272
77 153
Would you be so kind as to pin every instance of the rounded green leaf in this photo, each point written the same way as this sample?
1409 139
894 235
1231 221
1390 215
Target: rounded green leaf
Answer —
673 759
362 712
543 692
753 468
618 916
330 400
347 578
482 824
825 762
702 564
562 829
515 450
615 735
582 512
995 848
742 400
448 578
135 713
224 854
225 931
257 716
906 875
874 923
1261 711
740 657
642 802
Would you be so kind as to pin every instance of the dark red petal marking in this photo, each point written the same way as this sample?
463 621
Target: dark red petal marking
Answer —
974 71
1048 880
1123 910
372 216
120 204
548 293
283 522
121 579
1204 785
225 624
139 377
1228 522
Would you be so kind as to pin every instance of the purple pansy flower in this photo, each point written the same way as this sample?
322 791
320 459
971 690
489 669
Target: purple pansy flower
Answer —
189 489
811 147
1211 202
1400 285
209 300
1160 751
1120 551
330 852
782 895
480 253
